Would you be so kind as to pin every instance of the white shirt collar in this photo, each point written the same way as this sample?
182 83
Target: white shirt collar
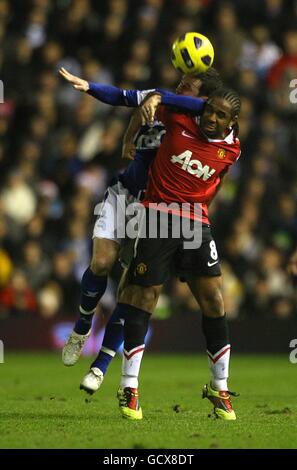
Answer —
229 139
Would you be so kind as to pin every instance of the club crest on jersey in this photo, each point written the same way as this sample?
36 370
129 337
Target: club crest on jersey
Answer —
150 137
194 167
141 268
222 153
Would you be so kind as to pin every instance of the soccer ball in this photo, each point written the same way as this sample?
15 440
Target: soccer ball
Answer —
192 53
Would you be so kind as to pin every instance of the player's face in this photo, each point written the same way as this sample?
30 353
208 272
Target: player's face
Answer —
217 118
189 86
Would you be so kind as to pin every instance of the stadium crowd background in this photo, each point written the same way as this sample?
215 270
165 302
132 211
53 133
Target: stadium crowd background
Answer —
59 147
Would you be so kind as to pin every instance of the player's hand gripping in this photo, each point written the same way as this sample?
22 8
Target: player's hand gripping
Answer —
149 107
76 82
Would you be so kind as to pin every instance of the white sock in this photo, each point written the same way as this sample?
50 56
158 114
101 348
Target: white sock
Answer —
219 367
130 366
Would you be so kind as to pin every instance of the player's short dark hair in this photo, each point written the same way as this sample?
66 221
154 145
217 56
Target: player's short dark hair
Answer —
211 81
231 96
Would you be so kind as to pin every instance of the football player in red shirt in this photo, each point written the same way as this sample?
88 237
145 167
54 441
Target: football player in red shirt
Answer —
193 157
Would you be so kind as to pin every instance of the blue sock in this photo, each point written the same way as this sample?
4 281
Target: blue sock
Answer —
113 338
92 289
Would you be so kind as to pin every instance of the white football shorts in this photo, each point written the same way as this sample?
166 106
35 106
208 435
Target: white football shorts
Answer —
111 220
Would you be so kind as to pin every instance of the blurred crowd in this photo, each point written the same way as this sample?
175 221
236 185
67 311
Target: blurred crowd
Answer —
59 148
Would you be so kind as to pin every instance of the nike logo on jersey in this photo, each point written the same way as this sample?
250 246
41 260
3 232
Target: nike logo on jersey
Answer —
194 167
187 135
212 264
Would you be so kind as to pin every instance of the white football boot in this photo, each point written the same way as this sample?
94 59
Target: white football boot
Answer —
73 348
92 381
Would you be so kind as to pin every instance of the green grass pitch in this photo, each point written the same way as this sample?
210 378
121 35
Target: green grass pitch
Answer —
42 406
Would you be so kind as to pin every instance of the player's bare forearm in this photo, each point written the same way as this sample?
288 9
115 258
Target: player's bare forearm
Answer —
128 149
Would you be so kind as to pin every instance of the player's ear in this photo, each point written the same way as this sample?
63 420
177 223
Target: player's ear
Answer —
233 121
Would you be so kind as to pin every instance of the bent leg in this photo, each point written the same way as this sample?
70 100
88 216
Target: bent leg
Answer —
149 269
143 298
105 254
94 281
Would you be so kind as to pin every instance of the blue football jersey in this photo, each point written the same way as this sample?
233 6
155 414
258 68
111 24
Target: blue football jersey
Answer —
147 141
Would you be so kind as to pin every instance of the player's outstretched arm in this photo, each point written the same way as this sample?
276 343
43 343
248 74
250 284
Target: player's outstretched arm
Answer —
107 94
184 103
117 97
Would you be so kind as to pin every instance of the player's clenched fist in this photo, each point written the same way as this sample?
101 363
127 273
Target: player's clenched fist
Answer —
76 82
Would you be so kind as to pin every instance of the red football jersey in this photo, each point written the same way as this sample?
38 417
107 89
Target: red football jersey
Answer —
188 166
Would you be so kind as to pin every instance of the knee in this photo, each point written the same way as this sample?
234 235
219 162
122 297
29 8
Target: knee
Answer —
101 264
144 298
150 297
212 304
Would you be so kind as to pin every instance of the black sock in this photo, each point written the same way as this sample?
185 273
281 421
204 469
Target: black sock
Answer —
216 333
135 326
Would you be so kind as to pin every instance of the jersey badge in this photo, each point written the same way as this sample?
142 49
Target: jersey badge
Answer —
222 153
141 268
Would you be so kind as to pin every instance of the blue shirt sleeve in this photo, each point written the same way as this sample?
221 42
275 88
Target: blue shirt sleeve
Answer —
116 96
186 103
107 94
